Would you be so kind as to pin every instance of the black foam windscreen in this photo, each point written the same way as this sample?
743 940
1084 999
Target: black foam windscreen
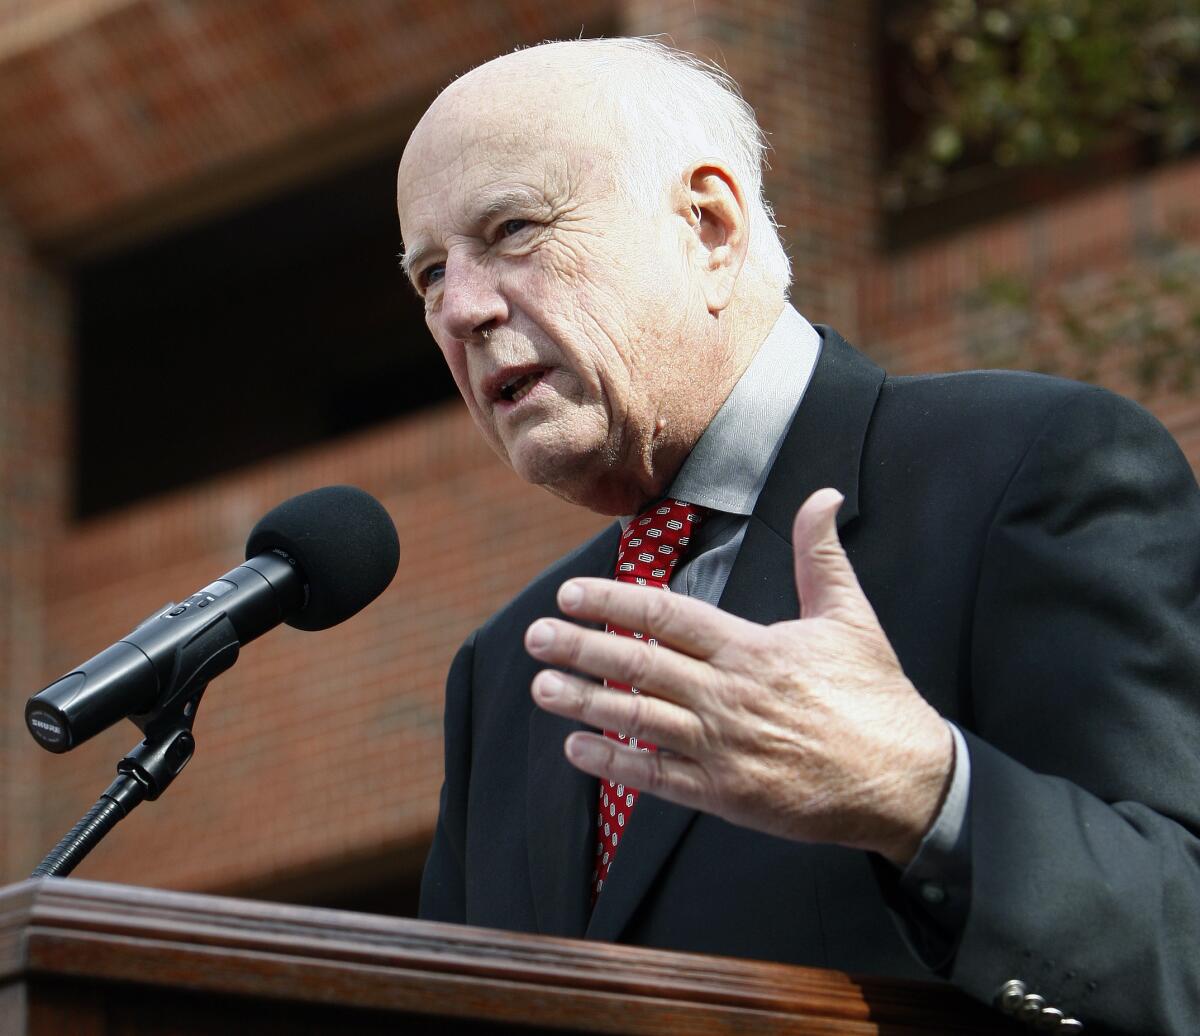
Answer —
343 542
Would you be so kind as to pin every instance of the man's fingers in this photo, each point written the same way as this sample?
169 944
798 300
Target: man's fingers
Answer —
637 662
669 776
693 627
640 716
825 580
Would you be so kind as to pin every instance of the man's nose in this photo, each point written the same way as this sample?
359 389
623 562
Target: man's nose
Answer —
471 301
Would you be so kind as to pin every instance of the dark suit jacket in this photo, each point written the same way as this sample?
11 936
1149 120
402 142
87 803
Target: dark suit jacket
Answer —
1032 549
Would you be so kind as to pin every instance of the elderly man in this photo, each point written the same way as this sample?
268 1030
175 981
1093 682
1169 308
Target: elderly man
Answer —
969 742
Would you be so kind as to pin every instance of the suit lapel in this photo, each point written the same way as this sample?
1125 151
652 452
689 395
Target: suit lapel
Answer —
560 801
825 443
822 448
561 810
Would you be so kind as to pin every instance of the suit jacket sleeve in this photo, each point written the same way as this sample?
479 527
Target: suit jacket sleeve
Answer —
443 882
1083 814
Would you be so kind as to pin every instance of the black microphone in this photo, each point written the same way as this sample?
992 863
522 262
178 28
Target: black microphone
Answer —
312 562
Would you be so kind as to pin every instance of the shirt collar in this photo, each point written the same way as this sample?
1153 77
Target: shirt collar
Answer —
728 466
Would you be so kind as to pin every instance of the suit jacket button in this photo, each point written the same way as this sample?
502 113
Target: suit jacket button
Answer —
1011 996
1031 1007
1050 1019
933 893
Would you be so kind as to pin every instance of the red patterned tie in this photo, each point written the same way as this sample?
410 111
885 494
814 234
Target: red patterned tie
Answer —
651 546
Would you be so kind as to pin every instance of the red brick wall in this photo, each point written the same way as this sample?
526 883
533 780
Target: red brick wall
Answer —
324 748
927 309
33 443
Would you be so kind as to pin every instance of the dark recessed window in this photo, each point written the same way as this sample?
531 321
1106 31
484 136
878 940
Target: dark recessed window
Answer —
271 328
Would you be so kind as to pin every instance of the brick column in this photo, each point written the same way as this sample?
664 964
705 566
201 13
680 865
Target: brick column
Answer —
33 465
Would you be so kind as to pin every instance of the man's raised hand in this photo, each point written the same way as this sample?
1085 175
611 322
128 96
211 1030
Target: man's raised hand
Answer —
806 729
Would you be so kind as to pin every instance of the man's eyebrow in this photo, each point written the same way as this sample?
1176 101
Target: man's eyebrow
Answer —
495 205
409 259
512 198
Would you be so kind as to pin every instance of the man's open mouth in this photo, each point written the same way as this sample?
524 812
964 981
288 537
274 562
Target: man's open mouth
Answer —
516 389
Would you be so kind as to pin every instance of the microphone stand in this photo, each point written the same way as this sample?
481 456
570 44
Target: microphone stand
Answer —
145 773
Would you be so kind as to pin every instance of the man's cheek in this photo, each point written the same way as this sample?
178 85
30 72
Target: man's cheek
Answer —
564 260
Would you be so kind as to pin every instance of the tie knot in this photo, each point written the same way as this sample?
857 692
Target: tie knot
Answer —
655 542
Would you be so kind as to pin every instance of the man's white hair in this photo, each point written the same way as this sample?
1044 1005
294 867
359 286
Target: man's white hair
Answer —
678 108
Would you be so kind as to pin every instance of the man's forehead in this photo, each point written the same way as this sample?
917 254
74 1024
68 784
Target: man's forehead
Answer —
543 95
523 129
460 171
476 181
496 129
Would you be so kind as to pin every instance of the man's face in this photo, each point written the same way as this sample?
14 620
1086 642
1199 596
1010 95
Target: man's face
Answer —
560 306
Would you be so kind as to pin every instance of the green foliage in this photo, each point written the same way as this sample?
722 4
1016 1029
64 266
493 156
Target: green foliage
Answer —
1028 82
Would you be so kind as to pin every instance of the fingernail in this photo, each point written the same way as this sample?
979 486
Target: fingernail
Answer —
539 636
569 596
549 686
579 751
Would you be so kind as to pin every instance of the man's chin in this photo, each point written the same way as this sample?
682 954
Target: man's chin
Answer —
570 473
586 483
551 467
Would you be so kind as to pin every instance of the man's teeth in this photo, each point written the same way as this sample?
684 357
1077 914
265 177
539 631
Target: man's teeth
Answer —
517 390
525 388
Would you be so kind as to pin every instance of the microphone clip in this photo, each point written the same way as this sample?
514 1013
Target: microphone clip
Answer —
167 747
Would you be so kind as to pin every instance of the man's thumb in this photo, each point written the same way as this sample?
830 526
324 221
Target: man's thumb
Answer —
824 577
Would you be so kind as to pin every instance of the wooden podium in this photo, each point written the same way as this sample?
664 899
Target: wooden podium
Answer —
80 958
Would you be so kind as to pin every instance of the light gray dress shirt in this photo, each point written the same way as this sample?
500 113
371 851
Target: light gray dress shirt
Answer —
725 473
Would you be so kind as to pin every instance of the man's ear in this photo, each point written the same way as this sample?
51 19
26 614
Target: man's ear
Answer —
721 222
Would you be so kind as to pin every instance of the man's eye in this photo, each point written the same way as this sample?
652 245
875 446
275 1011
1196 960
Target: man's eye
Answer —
512 226
432 273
